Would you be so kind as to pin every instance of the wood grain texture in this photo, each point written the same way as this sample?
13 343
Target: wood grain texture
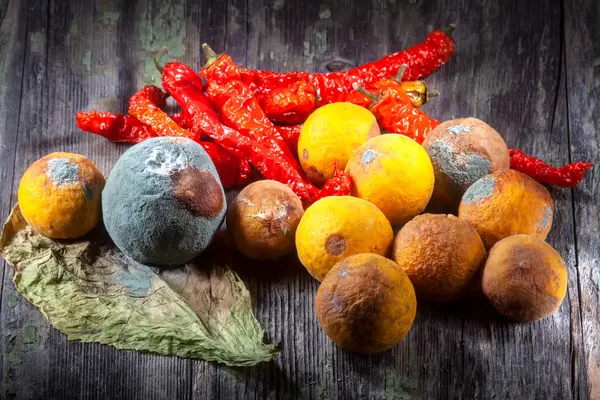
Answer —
530 69
510 77
583 88
12 43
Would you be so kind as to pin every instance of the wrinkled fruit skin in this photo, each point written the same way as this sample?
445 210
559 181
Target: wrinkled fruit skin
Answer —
336 227
524 278
507 203
366 304
462 151
394 173
263 218
441 255
330 135
59 195
163 201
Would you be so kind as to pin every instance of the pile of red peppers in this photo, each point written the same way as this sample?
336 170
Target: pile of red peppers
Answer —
248 119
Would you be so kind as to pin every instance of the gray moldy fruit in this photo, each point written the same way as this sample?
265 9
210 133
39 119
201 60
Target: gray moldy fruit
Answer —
462 151
163 201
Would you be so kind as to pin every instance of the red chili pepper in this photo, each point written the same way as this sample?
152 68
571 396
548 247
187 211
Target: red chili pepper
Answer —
125 128
340 184
421 60
290 105
180 120
290 135
185 86
114 127
396 114
146 106
567 176
240 110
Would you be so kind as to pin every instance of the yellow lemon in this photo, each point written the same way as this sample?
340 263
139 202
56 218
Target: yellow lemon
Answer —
59 195
335 227
330 135
394 173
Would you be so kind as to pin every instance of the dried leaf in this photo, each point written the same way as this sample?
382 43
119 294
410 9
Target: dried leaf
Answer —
91 292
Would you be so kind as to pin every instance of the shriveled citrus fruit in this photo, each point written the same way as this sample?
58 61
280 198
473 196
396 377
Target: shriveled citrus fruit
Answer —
394 173
330 135
524 278
366 304
336 227
462 151
507 203
263 218
441 255
59 195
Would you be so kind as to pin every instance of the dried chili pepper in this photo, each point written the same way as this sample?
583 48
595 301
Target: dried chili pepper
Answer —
146 106
340 184
569 175
180 120
422 60
240 109
396 114
114 127
291 105
185 86
290 135
128 129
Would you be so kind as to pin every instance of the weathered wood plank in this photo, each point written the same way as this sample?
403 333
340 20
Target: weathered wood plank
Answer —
507 72
583 86
25 330
12 45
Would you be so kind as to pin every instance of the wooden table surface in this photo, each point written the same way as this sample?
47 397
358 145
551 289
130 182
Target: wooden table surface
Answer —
531 69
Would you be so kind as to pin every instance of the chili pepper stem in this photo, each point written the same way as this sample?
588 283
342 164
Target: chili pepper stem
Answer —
400 72
210 54
157 57
373 97
449 30
431 93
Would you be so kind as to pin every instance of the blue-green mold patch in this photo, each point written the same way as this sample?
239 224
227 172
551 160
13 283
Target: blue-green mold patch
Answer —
368 156
547 216
62 172
137 281
482 189
463 170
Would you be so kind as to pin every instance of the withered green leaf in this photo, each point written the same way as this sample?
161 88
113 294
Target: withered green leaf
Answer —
91 292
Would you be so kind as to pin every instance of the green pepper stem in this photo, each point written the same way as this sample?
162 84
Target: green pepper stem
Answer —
157 57
432 93
400 73
364 91
210 54
449 30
